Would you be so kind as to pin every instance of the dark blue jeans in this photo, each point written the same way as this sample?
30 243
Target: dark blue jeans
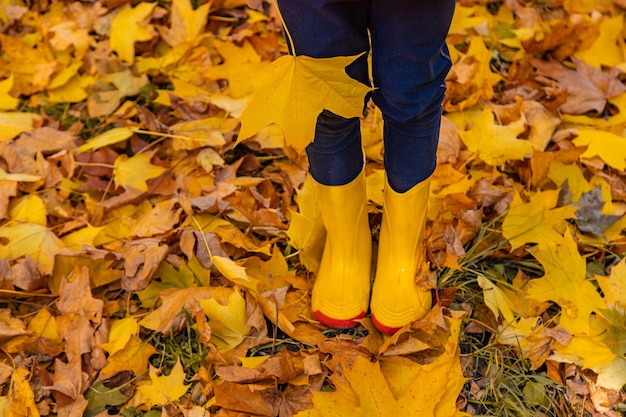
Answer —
410 61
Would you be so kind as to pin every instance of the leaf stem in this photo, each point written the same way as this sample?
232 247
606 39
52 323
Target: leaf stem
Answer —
282 20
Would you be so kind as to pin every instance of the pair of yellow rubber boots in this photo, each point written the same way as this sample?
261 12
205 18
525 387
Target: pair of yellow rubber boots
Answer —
341 294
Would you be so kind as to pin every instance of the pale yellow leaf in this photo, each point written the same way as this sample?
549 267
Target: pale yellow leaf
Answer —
120 334
5 176
577 184
564 283
107 138
496 144
134 171
161 390
199 133
7 101
133 357
610 147
614 286
29 209
538 221
306 231
131 25
82 237
234 272
186 24
608 48
496 300
227 322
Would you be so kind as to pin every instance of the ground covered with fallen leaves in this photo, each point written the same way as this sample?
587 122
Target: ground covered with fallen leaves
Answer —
148 266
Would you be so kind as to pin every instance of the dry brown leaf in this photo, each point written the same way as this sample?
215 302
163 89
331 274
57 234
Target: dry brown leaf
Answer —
142 260
587 88
75 297
236 397
69 379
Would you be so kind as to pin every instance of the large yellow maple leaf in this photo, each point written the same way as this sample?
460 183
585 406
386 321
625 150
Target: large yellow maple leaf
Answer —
538 221
161 389
496 144
131 25
609 48
609 147
396 387
306 231
133 357
294 90
227 322
187 24
614 286
565 284
134 171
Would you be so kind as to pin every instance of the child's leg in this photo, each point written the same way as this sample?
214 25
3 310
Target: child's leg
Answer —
323 29
410 63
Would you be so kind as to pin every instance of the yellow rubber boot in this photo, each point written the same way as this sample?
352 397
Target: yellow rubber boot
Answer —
396 299
342 285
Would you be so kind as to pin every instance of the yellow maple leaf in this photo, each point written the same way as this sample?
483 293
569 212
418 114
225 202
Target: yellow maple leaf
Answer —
238 66
133 357
32 240
496 300
614 286
496 144
29 209
7 101
306 231
135 170
44 325
21 399
537 221
592 352
398 387
608 49
120 334
577 184
465 18
564 283
161 390
293 92
200 133
609 147
131 25
227 322
107 138
72 91
82 237
471 79
186 24
234 272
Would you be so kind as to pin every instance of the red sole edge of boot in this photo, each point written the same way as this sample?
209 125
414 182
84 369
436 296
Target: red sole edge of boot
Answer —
336 323
384 329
